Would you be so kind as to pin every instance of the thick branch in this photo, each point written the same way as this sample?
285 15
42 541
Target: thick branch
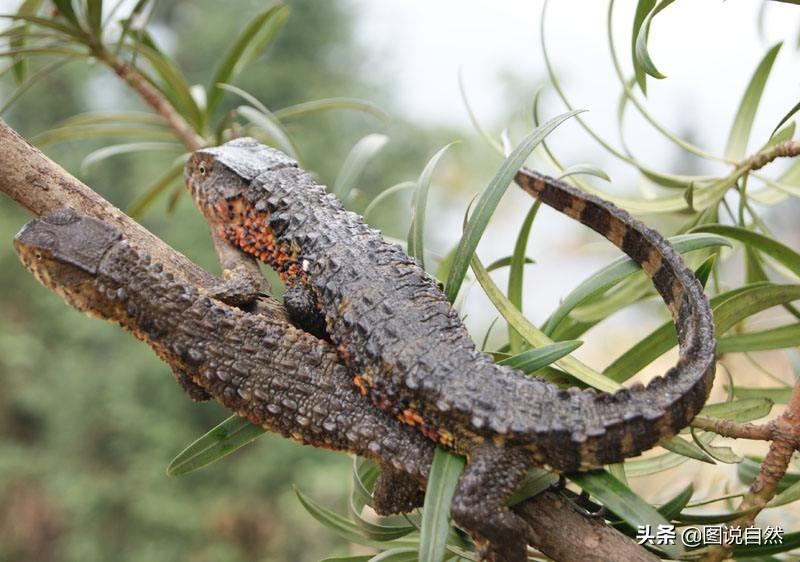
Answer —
40 185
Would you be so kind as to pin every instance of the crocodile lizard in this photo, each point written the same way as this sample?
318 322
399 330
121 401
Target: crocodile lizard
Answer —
409 352
268 371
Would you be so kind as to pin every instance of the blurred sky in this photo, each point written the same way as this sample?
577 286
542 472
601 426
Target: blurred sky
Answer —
707 48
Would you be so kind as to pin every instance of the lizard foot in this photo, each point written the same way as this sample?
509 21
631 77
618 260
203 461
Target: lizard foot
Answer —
479 505
191 388
238 291
396 492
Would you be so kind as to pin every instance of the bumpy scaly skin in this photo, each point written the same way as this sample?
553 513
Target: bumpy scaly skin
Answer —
410 353
269 372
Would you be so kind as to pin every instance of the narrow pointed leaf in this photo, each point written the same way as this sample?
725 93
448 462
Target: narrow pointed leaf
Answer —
517 273
745 116
489 199
230 435
253 39
442 483
534 359
416 234
328 104
356 162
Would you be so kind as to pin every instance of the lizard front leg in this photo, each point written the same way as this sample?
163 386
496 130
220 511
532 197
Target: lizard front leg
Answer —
479 505
301 304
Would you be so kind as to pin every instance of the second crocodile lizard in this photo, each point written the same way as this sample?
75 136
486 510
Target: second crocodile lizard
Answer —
411 355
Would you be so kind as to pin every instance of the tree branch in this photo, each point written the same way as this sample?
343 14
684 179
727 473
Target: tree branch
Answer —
785 435
40 185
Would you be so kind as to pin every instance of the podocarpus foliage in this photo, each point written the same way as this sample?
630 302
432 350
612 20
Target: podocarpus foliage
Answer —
718 217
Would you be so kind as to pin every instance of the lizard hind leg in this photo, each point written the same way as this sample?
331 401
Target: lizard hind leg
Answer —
479 506
396 492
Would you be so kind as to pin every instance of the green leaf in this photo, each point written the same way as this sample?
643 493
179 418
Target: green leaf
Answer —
117 149
775 338
624 503
643 64
442 482
356 558
785 118
682 447
28 7
776 395
643 9
114 118
328 104
219 442
618 270
491 141
94 15
745 116
487 203
66 10
134 14
500 263
273 128
355 163
47 23
744 410
27 81
533 335
400 554
584 170
774 249
673 507
722 454
336 523
534 359
253 39
80 132
517 273
416 234
383 195
159 186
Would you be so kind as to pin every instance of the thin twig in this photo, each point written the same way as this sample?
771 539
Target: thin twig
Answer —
786 149
736 430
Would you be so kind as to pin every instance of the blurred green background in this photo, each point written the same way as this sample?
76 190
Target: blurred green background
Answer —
89 418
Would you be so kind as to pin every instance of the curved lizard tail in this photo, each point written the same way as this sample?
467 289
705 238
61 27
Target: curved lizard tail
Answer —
669 402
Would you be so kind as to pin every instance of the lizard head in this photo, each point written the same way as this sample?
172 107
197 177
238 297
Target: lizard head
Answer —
220 174
63 250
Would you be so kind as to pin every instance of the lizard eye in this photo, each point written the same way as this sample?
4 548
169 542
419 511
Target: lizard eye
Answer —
202 169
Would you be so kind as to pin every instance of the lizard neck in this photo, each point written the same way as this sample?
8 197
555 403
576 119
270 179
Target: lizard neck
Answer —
148 301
